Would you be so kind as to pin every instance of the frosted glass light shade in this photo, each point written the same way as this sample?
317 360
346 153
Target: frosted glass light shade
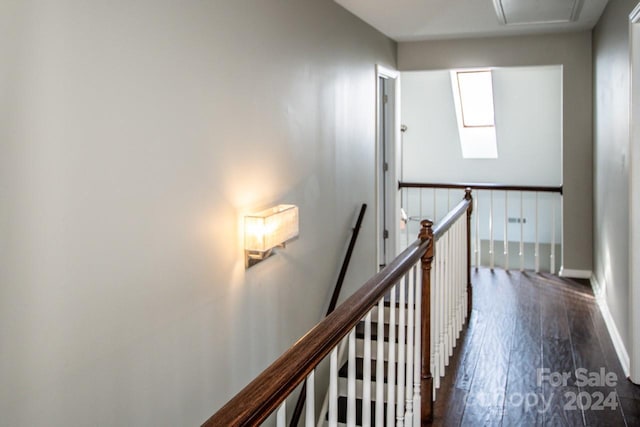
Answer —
270 228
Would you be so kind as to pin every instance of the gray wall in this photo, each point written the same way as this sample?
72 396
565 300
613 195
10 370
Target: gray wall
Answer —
133 137
611 165
573 52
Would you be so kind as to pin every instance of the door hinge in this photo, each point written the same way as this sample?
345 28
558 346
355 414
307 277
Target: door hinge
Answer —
385 167
385 98
385 234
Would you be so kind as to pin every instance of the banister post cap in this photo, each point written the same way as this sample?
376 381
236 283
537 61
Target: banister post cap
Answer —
426 230
467 193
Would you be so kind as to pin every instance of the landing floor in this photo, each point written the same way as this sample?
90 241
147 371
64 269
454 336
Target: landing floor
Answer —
536 352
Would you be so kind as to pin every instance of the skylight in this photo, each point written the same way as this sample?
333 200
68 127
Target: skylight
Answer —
473 98
476 98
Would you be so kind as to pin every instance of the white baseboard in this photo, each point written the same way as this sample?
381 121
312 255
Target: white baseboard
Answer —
574 274
618 344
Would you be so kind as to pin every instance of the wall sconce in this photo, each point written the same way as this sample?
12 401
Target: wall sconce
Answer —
268 229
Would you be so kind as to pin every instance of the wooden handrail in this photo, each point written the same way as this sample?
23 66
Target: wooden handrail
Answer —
262 396
449 219
482 186
254 403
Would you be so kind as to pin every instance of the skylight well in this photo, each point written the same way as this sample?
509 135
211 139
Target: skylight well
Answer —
473 98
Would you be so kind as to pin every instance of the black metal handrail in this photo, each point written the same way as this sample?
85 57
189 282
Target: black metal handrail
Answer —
297 413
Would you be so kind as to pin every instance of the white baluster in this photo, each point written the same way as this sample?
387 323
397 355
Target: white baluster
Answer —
452 285
506 230
435 314
553 235
441 305
417 348
411 340
521 233
465 267
447 288
380 366
444 282
457 269
453 301
433 320
439 308
310 413
461 261
351 380
401 376
333 388
281 415
435 211
391 358
491 253
452 291
456 278
477 212
456 291
537 254
366 373
324 411
408 230
463 273
421 215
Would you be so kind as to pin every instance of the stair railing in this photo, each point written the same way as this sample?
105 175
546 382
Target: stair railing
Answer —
297 412
427 311
514 226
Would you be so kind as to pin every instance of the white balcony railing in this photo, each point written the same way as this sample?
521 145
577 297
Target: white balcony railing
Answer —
513 227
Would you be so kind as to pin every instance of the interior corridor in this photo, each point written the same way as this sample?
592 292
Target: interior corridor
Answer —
536 352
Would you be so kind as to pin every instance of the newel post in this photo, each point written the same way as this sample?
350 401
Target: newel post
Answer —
426 380
467 196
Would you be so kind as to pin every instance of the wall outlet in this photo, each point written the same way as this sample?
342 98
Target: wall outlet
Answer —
514 220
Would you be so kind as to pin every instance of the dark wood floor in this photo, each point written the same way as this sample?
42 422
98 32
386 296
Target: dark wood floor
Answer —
525 331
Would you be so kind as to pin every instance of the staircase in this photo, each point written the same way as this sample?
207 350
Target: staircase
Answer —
379 375
385 358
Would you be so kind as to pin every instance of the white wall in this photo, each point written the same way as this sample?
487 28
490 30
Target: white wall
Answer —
573 52
133 136
611 161
528 118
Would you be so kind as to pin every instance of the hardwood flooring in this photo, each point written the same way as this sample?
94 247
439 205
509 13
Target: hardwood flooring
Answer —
530 356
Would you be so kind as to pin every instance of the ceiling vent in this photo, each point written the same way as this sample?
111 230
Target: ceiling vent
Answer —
523 12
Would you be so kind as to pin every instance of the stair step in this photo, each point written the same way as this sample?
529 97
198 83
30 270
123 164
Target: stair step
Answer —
344 370
388 303
374 331
386 312
342 411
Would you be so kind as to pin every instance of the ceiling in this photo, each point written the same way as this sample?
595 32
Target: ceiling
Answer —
412 20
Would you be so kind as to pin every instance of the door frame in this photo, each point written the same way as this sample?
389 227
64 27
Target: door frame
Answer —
393 134
634 197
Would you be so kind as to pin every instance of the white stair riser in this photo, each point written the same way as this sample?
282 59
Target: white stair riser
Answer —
387 311
342 389
374 349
